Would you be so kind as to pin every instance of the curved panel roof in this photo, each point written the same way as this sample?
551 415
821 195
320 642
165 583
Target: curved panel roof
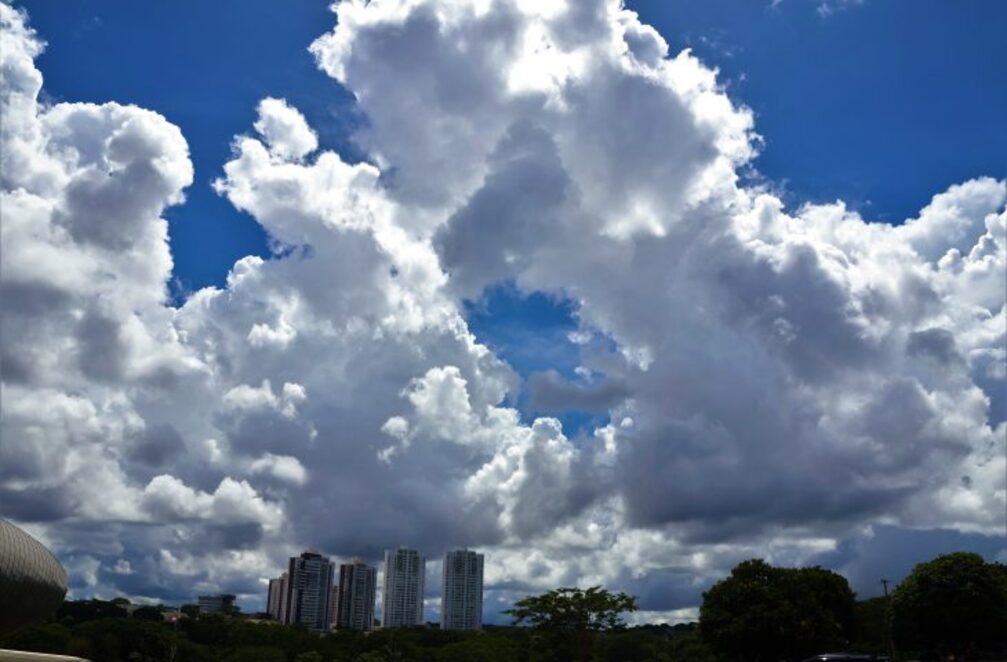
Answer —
32 581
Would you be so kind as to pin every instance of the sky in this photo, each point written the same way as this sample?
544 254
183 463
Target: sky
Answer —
618 294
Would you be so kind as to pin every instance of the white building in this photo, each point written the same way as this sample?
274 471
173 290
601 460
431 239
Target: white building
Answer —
462 594
402 593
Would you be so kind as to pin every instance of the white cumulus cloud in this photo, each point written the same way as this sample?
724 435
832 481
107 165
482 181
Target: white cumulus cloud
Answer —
778 380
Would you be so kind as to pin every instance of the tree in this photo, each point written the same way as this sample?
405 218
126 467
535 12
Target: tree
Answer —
257 654
46 638
484 648
126 639
871 626
148 613
78 611
370 656
309 656
574 615
954 604
764 613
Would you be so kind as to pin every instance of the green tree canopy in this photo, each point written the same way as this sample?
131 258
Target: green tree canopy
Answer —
190 610
80 611
591 609
148 613
309 656
956 603
764 613
573 616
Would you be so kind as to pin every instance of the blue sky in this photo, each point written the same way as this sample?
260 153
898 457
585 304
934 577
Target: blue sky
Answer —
878 104
741 335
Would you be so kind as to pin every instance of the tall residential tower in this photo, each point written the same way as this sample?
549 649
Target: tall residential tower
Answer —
462 595
402 593
276 598
306 596
355 604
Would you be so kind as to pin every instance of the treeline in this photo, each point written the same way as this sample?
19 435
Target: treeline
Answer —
954 607
951 608
233 639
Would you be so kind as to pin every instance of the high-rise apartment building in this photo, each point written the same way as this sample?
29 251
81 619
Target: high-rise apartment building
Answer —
334 607
357 587
306 596
462 591
275 597
402 591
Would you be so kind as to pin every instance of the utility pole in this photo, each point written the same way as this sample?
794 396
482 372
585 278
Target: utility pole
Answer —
888 621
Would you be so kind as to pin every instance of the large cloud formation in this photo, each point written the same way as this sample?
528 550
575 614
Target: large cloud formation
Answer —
777 381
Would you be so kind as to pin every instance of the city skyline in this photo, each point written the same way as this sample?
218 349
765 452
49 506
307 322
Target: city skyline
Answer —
461 595
617 293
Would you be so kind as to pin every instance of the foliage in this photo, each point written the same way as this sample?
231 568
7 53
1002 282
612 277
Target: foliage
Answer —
118 639
309 656
79 611
257 654
370 656
48 638
763 613
148 614
574 609
481 649
192 611
689 646
572 617
954 604
871 626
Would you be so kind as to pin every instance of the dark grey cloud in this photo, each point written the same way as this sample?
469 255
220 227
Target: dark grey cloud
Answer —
157 446
938 344
493 236
49 504
888 552
549 392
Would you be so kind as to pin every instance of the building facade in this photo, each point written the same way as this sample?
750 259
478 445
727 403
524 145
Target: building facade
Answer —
334 607
355 603
275 597
402 589
306 596
216 604
462 591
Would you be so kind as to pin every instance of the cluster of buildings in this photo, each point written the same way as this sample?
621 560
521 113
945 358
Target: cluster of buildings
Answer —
309 594
216 604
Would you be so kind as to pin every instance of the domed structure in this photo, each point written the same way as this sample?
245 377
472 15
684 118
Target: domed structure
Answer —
32 582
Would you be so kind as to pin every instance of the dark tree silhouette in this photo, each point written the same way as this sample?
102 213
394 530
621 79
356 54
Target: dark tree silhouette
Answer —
955 604
762 613
148 614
